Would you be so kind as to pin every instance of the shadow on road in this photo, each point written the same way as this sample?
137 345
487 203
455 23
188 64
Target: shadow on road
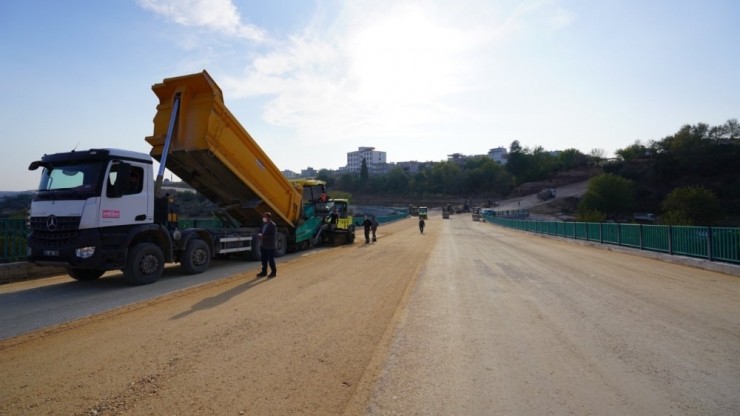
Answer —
219 299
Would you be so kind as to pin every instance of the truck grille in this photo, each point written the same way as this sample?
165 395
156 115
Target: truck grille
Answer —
59 232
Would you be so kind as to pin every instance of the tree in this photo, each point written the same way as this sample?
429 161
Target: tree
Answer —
445 178
572 159
398 181
597 154
609 194
363 173
15 206
347 182
481 175
325 175
529 165
634 151
691 205
515 147
728 131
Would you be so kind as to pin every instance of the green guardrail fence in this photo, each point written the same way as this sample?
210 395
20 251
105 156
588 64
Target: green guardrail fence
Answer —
711 243
13 235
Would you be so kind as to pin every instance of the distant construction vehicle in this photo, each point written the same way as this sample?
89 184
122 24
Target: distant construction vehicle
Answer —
546 194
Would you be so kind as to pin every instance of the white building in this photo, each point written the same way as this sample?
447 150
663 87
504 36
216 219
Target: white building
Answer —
499 155
309 172
411 167
290 174
372 157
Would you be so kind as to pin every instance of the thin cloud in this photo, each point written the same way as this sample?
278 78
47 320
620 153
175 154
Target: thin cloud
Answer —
220 16
386 68
380 69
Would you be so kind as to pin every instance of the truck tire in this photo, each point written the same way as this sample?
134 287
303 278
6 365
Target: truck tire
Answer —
197 257
84 274
144 264
350 235
255 253
281 245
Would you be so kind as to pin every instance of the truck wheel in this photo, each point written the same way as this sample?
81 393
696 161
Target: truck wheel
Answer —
85 274
351 235
281 245
255 253
197 257
144 264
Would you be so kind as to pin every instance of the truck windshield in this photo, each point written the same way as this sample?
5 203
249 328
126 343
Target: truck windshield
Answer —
81 179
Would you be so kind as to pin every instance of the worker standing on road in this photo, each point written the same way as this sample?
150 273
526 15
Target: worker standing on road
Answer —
374 227
268 237
367 225
421 225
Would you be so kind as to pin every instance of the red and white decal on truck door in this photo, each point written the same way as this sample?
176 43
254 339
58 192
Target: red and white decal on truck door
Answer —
111 213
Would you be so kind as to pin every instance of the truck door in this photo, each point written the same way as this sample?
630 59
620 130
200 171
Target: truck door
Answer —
126 202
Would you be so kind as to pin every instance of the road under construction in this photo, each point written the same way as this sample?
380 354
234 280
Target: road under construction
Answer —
468 318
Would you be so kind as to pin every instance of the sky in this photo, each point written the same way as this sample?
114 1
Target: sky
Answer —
314 79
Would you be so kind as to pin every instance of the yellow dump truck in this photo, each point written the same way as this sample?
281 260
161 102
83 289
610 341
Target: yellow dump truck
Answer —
103 209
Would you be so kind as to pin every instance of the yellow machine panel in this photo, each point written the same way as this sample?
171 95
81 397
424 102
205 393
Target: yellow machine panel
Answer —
213 153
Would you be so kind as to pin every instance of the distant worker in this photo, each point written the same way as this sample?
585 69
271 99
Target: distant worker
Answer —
367 225
374 227
268 237
421 225
333 220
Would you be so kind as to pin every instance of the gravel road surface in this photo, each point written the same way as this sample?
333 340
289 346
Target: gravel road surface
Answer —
467 319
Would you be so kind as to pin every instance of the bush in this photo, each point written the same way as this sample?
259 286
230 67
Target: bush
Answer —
694 204
591 215
609 194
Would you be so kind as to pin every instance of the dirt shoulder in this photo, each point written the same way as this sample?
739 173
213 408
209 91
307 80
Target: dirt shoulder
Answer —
298 344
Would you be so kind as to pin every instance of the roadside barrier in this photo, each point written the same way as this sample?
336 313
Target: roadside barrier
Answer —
720 244
13 237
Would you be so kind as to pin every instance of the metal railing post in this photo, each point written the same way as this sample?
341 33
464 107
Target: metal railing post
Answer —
710 255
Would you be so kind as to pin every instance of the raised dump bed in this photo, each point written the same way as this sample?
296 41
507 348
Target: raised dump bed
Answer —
213 153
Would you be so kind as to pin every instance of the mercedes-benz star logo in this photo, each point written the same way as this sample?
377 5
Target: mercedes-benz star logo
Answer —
51 223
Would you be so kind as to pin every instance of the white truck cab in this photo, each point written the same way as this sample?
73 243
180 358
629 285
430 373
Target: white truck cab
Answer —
87 205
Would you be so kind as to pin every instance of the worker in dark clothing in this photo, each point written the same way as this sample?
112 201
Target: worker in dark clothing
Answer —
374 227
333 221
334 216
268 244
367 225
421 225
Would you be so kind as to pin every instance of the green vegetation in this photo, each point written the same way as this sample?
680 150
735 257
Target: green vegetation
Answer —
691 177
15 205
609 196
691 205
469 177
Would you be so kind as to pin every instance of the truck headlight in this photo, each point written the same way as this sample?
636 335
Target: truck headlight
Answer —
85 252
